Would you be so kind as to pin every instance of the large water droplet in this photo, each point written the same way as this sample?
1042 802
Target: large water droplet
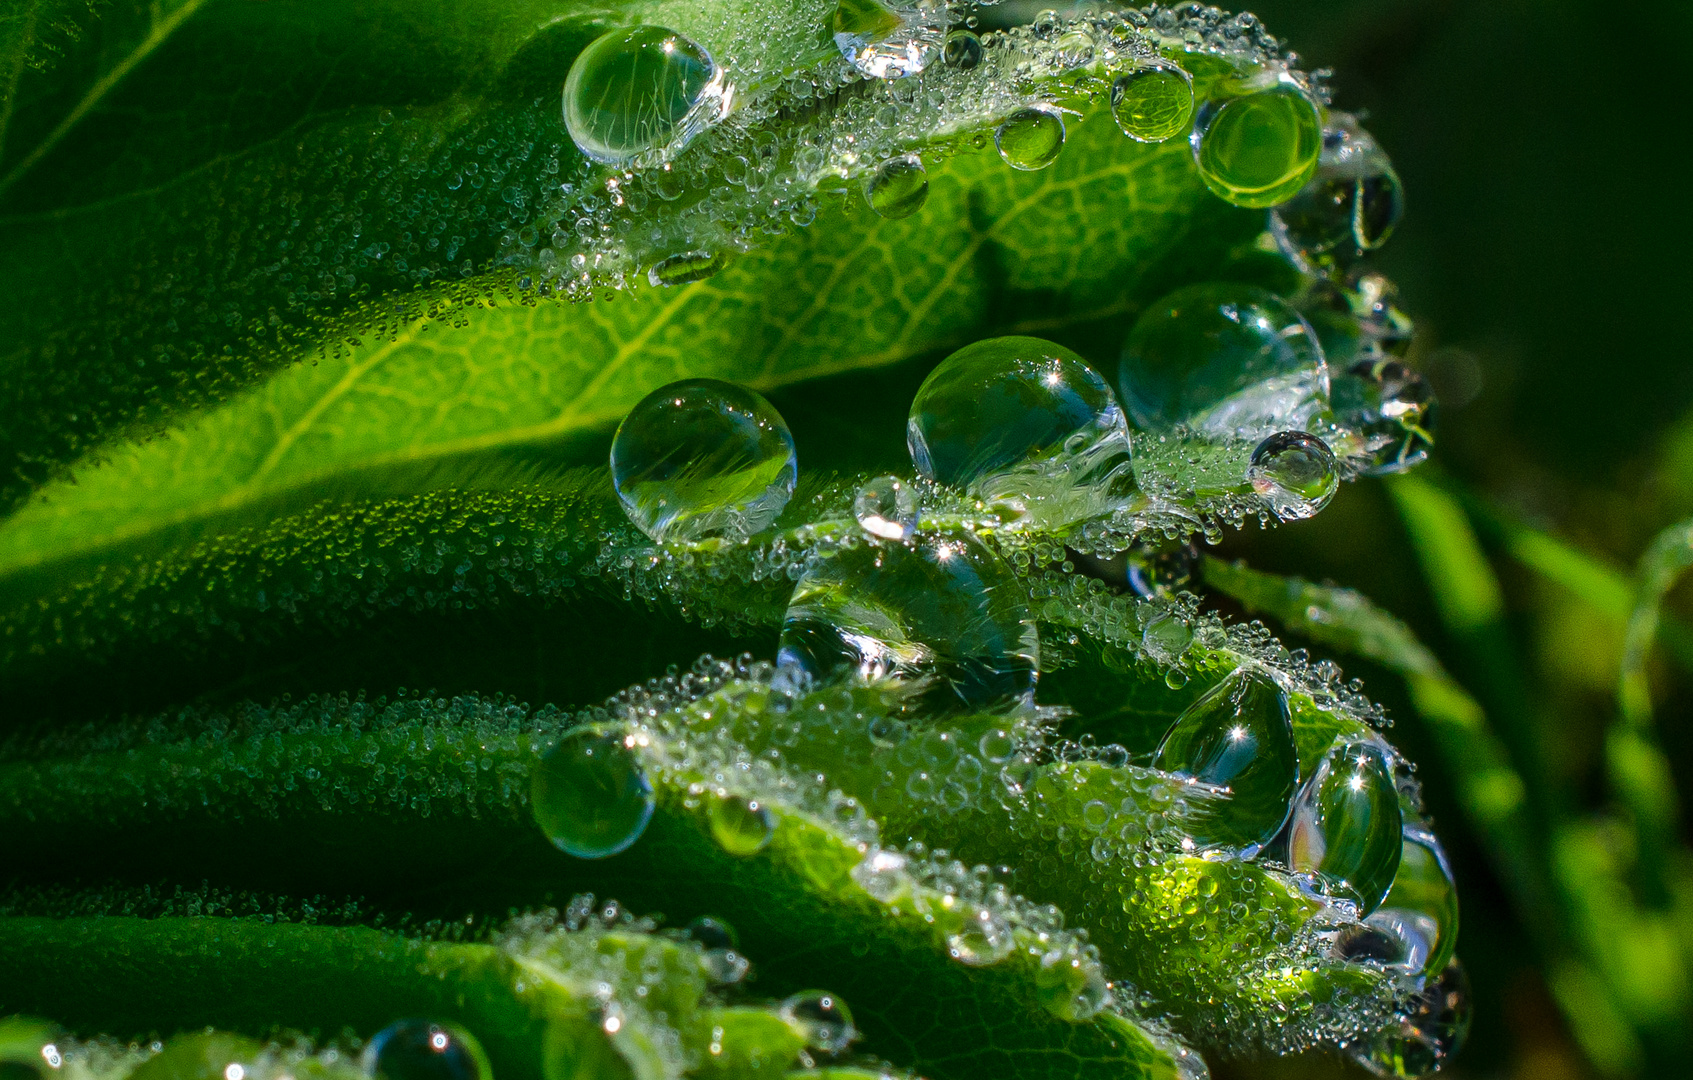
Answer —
898 188
1346 825
1351 206
963 50
886 507
1296 474
742 826
702 458
1226 359
822 1018
1153 103
1237 740
589 794
1019 420
1259 149
641 91
889 41
1389 404
1418 920
1031 137
943 609
1430 1030
685 269
425 1050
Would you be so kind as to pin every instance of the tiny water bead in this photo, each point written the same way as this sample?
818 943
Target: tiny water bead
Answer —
1431 1028
685 268
702 458
640 91
1346 825
944 609
425 1050
889 42
1237 739
742 826
1031 137
1350 207
1295 472
822 1018
1154 103
1225 359
984 939
1390 405
886 507
898 188
589 794
1260 148
1008 402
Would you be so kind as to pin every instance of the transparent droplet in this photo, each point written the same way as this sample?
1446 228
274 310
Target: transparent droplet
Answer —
821 1018
1159 570
1153 103
1260 148
208 1055
685 269
589 794
1020 421
984 939
1346 825
702 458
886 507
641 92
898 188
1069 986
1225 359
1389 404
742 826
713 933
1416 926
1031 137
1431 1029
1296 474
942 609
721 956
1237 740
424 1050
889 41
963 50
1351 205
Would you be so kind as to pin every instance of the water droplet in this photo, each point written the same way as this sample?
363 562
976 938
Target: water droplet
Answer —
1350 207
1069 986
1346 825
1260 148
1417 923
589 794
1031 137
424 1050
822 1018
741 826
210 1055
1238 740
889 42
686 268
1159 570
886 507
1390 405
898 188
984 939
1295 472
1020 421
702 458
1430 1030
641 91
963 50
1153 103
943 609
721 957
1226 359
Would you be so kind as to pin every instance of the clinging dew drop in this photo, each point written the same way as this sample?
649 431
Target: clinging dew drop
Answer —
741 826
590 795
944 610
898 188
1350 207
425 1050
963 50
886 507
1416 927
1154 103
1259 148
886 41
702 459
821 1018
684 268
1225 359
1346 825
1390 405
1031 137
1295 473
1238 741
1431 1029
640 91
